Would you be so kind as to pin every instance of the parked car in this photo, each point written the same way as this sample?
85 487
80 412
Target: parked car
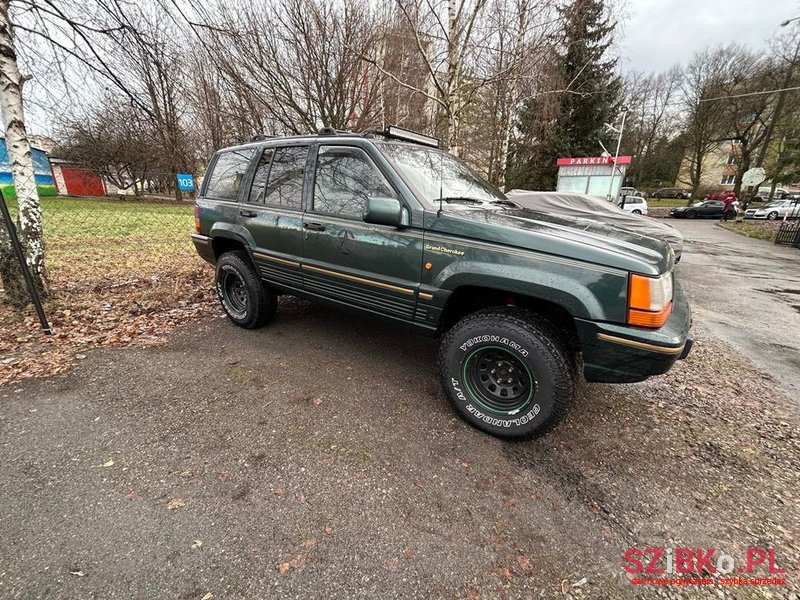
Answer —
703 208
775 210
672 193
631 191
411 234
763 194
634 204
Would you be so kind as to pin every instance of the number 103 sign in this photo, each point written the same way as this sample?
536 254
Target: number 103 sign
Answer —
185 182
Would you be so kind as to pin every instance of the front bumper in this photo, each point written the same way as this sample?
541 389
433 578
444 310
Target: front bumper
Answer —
623 354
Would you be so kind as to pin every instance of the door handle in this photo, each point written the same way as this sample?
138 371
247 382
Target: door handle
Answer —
314 226
248 213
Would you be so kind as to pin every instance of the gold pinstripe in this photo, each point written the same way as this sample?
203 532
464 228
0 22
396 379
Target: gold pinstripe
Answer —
640 345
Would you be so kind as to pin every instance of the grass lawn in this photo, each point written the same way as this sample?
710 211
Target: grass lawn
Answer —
96 219
666 202
761 230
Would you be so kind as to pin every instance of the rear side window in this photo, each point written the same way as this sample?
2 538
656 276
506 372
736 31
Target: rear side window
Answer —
345 178
260 178
229 170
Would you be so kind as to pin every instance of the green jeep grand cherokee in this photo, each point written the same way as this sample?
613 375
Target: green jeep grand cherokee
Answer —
409 233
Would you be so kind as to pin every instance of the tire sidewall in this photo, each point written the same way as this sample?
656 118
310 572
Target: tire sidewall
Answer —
231 265
525 348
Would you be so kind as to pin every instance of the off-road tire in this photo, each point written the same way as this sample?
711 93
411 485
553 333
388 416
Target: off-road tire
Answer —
254 304
518 337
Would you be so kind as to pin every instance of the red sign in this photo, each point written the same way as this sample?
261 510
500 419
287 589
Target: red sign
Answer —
593 160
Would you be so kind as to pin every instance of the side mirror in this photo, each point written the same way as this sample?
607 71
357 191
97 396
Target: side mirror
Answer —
383 211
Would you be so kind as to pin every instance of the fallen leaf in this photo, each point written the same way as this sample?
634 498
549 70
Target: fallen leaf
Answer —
309 543
197 544
208 596
317 401
565 586
408 553
283 567
176 503
524 563
328 530
392 564
110 463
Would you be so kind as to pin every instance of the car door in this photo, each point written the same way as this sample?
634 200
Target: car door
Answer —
374 267
711 209
272 212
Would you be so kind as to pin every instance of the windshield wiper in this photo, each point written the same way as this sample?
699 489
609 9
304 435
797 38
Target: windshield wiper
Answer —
451 199
504 202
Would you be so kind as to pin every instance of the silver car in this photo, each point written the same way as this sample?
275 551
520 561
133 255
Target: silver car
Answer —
777 209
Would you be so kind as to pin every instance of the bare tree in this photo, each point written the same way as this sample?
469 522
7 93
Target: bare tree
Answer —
651 118
705 121
307 72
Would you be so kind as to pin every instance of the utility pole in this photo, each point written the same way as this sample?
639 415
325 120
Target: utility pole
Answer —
619 131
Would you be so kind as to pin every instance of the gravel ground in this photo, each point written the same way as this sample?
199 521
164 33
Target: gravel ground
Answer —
317 458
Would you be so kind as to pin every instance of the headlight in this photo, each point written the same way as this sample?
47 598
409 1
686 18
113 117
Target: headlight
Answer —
649 300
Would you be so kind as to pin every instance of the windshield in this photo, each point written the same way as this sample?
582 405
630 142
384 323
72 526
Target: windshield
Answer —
773 205
436 174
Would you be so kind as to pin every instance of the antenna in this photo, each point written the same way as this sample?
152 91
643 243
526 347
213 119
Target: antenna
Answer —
441 182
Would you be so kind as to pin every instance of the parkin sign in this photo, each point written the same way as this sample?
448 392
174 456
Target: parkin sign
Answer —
592 161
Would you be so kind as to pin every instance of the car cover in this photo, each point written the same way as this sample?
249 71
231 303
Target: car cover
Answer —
595 214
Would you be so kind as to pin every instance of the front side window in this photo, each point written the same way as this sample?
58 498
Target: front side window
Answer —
229 170
285 188
345 178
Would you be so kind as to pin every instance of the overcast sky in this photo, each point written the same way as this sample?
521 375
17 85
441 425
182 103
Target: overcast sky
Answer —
660 33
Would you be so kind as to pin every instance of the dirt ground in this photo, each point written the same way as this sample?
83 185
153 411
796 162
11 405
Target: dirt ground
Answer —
317 458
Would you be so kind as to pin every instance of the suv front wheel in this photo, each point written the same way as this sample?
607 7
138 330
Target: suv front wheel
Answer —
507 372
244 297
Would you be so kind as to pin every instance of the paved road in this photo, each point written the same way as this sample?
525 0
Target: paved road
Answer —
747 292
318 458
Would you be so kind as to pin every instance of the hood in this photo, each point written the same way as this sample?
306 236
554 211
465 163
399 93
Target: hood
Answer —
556 235
598 215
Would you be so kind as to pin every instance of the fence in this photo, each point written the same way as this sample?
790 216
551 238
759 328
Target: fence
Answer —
789 232
100 251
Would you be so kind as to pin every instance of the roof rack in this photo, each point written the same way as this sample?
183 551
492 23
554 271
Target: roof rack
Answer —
393 132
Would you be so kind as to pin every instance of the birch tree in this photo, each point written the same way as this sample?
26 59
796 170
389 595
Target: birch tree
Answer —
29 212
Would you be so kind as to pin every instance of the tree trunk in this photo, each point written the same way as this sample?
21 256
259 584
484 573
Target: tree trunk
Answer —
19 155
452 79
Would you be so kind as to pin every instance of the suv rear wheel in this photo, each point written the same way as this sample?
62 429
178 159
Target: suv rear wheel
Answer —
244 297
507 372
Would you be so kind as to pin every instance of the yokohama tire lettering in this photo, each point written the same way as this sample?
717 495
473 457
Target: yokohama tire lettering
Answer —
494 339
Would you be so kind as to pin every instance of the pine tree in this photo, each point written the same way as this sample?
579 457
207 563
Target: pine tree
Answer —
570 121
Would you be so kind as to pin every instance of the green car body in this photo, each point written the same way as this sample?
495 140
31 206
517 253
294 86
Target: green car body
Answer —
439 263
